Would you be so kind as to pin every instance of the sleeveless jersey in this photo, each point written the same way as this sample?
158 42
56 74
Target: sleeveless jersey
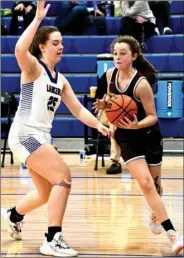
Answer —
39 100
130 91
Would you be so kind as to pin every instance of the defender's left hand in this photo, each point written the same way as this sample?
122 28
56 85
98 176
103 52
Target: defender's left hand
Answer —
128 124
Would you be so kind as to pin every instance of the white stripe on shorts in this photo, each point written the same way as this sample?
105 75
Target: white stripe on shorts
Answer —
152 165
138 157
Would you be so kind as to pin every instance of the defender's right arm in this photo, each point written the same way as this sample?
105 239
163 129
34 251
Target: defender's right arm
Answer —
28 63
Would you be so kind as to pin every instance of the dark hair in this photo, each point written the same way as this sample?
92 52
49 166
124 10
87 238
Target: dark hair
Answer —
41 37
141 63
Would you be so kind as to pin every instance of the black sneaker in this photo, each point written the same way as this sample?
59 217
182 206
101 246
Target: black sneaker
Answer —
115 168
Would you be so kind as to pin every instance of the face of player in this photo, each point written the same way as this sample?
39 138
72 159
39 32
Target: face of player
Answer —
53 48
123 57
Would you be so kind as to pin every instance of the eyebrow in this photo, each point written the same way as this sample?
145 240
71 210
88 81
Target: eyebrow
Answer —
56 40
120 50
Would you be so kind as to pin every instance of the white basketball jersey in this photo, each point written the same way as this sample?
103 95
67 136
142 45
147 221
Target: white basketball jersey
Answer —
39 100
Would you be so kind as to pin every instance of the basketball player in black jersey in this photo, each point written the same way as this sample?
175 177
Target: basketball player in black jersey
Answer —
140 140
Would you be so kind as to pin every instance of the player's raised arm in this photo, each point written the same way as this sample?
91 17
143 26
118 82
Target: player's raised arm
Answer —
26 61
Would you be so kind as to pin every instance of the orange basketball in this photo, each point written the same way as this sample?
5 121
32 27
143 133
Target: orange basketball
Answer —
120 106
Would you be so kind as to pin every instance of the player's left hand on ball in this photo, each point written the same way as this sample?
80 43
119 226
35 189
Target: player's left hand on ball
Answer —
105 131
126 123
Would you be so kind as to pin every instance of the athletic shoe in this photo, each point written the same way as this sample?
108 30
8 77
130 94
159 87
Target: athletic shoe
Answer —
176 241
57 247
14 229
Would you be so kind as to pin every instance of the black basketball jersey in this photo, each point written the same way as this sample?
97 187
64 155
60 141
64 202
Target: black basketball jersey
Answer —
130 91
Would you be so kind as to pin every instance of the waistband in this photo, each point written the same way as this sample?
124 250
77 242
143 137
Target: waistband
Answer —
45 130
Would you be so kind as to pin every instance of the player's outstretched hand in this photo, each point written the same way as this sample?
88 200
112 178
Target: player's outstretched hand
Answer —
99 104
104 130
41 10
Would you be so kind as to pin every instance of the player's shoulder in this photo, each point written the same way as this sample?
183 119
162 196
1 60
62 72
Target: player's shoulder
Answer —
62 78
143 82
109 73
143 85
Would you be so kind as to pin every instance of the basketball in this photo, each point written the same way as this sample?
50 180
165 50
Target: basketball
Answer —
120 106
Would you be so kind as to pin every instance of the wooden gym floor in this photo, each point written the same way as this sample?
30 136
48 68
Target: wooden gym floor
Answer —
106 215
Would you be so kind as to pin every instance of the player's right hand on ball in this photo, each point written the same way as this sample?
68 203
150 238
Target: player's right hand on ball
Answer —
104 130
99 104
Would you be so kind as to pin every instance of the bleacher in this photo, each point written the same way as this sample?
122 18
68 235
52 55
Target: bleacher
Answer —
79 65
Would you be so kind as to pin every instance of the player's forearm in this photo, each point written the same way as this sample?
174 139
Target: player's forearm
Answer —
87 118
25 40
147 121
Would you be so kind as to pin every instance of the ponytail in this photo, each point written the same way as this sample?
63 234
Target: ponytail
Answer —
34 49
145 67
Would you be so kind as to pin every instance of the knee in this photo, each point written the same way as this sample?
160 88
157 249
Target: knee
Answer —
147 185
63 179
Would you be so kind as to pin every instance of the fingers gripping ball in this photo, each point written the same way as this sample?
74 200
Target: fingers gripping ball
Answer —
120 106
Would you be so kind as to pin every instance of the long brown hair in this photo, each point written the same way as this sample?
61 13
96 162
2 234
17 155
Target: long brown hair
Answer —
41 37
141 63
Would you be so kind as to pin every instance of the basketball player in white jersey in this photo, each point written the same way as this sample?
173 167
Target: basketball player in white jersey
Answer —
42 88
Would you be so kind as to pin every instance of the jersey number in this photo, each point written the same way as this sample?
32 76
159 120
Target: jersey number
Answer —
52 103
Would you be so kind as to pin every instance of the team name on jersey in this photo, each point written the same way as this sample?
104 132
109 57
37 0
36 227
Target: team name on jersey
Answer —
53 90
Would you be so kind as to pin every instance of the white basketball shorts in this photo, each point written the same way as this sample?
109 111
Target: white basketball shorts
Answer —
23 140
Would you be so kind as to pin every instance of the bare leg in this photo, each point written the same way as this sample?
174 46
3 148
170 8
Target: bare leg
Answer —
34 199
155 172
139 169
154 224
37 197
57 173
55 216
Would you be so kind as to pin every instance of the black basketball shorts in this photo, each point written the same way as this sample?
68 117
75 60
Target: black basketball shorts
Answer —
135 145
